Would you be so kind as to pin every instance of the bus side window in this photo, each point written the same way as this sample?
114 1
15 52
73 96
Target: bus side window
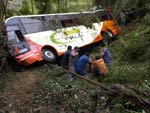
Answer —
12 38
76 21
68 23
63 23
110 17
104 16
19 35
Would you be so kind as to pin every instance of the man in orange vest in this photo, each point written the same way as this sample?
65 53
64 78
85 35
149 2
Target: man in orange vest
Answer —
99 67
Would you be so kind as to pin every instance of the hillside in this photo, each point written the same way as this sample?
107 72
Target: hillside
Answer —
45 89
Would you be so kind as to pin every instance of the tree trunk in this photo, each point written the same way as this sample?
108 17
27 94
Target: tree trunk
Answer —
58 6
48 6
3 5
32 6
66 4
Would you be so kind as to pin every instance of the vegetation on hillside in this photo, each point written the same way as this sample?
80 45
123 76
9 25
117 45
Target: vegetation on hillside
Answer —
131 58
46 89
130 66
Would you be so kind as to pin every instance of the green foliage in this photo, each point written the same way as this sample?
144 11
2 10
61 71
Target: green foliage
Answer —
57 90
43 6
2 85
131 58
137 48
87 20
128 73
74 96
25 8
146 20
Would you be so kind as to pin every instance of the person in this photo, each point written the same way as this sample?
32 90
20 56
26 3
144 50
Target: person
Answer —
122 18
106 55
65 59
82 63
73 57
99 67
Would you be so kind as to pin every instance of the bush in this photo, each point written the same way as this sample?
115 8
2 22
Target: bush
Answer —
136 47
147 19
131 58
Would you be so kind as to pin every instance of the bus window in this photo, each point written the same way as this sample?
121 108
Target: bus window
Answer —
12 28
68 23
109 16
57 22
19 35
76 21
104 15
63 23
89 17
33 25
48 22
12 38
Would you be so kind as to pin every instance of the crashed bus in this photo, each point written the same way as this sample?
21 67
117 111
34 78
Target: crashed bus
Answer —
33 38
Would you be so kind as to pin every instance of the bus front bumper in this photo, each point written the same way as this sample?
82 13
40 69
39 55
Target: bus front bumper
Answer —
28 58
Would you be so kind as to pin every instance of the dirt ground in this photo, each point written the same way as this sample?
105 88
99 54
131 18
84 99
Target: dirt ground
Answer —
19 90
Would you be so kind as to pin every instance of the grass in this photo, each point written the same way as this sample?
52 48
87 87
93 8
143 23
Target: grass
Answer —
130 59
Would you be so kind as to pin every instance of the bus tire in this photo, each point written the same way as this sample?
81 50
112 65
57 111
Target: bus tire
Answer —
49 56
107 36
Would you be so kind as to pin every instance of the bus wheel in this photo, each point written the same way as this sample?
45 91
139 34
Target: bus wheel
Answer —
49 56
107 37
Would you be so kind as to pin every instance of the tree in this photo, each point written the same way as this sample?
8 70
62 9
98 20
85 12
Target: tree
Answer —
32 6
3 5
25 8
44 6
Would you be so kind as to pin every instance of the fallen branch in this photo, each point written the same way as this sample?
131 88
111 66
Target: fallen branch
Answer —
2 65
139 91
130 95
117 90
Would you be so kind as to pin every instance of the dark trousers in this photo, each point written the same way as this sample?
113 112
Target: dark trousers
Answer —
97 72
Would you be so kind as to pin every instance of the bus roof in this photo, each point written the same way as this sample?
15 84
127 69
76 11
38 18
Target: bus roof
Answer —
53 14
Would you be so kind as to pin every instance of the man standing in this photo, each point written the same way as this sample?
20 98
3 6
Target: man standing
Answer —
106 55
73 58
65 59
123 18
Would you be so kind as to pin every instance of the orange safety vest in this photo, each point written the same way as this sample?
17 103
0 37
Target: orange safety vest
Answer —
100 65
